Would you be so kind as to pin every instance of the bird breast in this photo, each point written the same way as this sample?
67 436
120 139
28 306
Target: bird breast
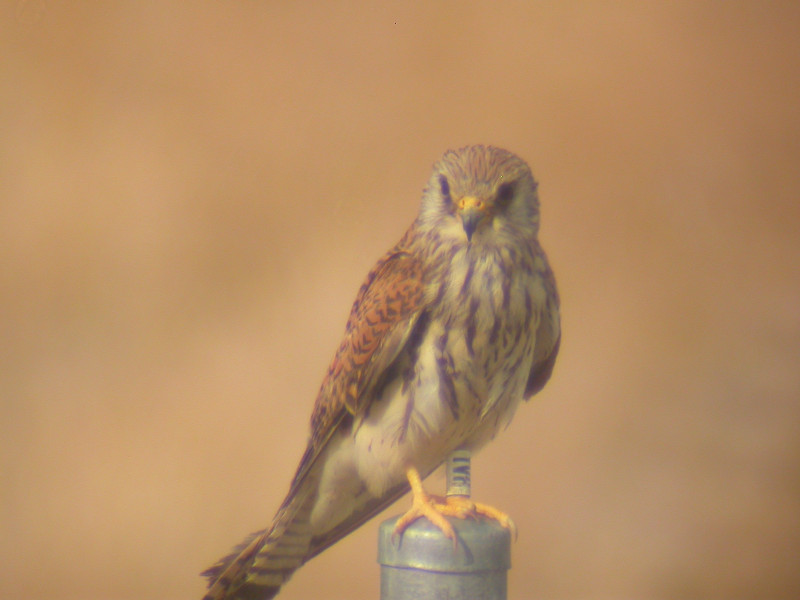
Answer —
458 384
465 379
496 297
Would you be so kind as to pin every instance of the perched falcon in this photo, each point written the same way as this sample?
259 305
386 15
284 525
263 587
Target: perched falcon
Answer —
451 329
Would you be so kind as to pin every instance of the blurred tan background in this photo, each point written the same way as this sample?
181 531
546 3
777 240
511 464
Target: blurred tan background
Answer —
191 193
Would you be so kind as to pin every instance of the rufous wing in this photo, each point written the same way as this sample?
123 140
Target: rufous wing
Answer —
385 313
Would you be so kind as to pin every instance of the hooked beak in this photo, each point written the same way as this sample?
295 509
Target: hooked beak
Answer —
472 211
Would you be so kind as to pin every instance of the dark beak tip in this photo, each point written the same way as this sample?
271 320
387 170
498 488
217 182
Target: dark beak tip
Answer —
469 223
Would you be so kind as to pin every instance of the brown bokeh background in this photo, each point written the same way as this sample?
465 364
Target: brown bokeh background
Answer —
191 193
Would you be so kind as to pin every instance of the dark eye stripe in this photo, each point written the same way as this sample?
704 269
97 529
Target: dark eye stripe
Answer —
505 193
445 187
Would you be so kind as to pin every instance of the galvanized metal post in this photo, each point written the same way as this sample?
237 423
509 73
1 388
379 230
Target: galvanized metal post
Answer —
425 565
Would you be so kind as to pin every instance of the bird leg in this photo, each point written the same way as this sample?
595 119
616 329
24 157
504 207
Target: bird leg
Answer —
436 508
459 488
423 505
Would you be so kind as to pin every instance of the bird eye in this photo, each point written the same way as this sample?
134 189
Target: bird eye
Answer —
444 185
505 193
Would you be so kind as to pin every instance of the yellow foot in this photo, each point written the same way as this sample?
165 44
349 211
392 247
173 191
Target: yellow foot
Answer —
462 507
422 505
435 508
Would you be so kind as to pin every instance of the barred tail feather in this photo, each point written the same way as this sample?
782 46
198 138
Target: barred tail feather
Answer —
258 567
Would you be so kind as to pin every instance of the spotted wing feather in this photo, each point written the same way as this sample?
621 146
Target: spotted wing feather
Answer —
388 305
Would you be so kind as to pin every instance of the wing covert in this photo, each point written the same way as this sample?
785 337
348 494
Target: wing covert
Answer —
386 309
548 339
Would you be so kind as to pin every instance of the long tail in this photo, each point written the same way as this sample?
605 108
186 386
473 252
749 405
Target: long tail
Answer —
258 567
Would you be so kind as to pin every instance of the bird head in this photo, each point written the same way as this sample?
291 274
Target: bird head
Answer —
480 195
